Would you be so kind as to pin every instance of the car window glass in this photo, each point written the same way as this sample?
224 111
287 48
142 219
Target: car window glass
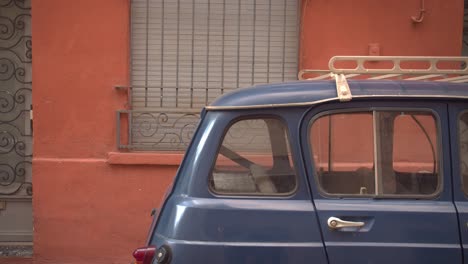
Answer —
463 146
376 153
254 159
414 154
343 143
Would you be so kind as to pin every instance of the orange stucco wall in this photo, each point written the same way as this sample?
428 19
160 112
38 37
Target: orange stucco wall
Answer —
88 209
339 27
85 210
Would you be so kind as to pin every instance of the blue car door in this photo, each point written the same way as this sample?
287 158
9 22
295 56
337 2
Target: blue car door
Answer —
381 181
459 136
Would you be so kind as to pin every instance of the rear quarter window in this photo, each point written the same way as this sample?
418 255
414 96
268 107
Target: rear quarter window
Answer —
254 159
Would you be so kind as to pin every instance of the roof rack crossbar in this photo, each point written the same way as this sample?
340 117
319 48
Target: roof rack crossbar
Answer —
433 62
461 81
424 77
385 76
432 65
441 69
453 79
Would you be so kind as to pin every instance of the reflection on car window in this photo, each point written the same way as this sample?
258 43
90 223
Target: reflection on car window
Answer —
376 153
463 145
254 159
343 152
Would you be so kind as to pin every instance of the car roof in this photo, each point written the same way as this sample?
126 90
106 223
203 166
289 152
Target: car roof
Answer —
312 92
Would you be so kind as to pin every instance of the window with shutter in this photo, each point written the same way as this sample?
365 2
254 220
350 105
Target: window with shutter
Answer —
185 53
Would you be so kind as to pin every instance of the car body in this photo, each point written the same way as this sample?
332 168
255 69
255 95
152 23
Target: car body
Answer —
289 173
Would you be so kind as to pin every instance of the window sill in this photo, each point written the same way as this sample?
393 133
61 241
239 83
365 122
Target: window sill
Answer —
145 158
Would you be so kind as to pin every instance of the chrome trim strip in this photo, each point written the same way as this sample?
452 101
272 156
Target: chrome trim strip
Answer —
242 244
384 244
390 206
243 107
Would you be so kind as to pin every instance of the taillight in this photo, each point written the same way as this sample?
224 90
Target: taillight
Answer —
144 255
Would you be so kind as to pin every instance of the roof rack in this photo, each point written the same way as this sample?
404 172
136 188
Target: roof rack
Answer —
414 68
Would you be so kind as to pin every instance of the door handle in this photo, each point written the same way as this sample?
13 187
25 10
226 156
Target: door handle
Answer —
337 223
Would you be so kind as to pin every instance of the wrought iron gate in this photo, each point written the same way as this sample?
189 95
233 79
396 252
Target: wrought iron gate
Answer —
15 121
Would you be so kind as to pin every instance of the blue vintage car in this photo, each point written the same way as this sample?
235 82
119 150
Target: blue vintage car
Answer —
325 171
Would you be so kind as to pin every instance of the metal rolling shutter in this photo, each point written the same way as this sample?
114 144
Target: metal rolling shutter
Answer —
185 53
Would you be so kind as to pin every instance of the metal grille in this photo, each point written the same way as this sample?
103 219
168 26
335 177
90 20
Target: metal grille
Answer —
185 53
15 121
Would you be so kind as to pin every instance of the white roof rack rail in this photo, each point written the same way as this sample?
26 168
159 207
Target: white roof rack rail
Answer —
440 69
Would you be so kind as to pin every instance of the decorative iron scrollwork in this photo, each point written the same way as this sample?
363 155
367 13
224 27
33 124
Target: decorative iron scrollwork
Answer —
21 4
15 98
173 130
164 130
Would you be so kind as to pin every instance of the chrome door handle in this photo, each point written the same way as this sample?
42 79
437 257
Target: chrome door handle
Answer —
336 223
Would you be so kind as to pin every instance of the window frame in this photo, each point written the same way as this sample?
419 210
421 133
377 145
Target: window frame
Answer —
254 195
133 139
438 151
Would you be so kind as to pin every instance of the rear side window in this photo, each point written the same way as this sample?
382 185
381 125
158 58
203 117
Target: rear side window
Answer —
254 159
376 153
